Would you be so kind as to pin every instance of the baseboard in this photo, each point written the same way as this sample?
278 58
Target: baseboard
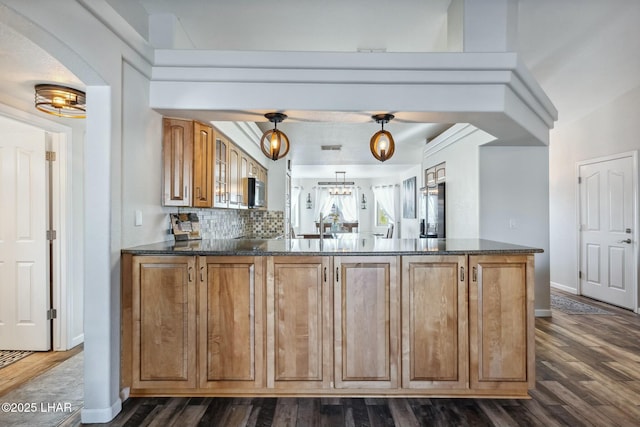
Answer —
77 340
564 288
92 416
124 393
542 313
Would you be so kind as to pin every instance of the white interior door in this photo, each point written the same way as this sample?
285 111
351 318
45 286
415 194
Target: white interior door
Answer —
606 231
24 286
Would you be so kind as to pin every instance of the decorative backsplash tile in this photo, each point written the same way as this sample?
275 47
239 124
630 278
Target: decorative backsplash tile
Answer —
234 223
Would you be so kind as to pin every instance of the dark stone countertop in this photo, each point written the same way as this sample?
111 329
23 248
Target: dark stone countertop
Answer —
347 245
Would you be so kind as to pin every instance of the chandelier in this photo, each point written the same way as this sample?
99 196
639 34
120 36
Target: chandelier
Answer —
339 188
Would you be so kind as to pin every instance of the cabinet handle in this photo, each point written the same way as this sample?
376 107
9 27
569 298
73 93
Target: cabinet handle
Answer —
337 280
186 192
325 275
475 274
189 270
202 274
462 274
198 193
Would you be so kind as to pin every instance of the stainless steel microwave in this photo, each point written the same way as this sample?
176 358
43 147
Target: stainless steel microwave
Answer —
254 192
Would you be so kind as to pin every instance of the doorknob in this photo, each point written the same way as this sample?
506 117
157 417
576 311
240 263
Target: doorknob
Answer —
624 241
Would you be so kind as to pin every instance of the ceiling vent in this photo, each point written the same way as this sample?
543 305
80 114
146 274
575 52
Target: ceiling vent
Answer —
331 147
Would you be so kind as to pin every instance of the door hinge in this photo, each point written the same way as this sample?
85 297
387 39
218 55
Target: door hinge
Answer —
52 314
579 274
51 234
579 180
50 156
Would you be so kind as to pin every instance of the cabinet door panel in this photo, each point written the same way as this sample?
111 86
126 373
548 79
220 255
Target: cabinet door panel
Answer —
434 322
230 302
177 154
299 322
501 321
165 322
366 322
203 159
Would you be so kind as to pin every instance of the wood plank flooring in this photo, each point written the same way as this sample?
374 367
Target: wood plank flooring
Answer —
588 374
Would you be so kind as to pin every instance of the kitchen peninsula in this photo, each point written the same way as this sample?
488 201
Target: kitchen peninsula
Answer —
353 316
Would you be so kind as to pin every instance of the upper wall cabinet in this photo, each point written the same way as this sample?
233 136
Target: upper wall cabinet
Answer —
177 147
203 158
435 175
202 167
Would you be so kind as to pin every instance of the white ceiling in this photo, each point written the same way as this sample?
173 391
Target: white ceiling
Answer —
584 53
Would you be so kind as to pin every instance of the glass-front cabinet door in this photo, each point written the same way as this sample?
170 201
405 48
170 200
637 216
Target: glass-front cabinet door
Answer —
221 197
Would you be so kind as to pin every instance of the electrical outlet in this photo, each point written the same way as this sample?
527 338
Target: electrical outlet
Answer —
513 223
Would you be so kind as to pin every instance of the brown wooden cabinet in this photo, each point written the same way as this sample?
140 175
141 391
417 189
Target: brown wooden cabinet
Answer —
202 167
177 146
428 325
366 322
299 322
188 154
231 327
203 159
163 296
434 322
501 323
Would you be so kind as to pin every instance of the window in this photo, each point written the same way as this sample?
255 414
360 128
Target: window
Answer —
383 218
384 203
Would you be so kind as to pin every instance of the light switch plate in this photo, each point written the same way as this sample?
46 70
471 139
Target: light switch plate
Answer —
138 219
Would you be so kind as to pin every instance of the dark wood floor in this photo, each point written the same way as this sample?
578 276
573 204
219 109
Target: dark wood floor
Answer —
588 374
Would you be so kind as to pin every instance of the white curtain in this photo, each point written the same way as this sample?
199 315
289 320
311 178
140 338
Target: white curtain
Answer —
323 203
347 206
384 195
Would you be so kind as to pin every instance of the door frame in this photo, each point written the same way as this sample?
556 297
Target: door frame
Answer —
636 218
58 138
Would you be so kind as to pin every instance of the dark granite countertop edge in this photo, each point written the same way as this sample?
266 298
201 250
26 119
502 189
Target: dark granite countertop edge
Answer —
198 252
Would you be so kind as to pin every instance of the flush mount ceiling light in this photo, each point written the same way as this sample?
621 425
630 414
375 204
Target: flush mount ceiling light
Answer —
274 143
382 145
61 101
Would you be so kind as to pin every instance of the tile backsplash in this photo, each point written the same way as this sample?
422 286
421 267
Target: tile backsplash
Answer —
234 223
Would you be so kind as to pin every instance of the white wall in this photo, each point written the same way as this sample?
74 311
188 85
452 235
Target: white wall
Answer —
514 205
612 128
459 148
141 164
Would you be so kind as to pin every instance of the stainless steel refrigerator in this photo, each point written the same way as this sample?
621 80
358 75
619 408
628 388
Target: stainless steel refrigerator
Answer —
433 211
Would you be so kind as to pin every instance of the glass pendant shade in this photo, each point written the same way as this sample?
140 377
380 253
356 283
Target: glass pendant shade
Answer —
274 143
382 145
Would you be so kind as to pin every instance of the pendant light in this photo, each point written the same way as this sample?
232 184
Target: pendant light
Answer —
274 143
309 204
363 203
60 101
382 145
